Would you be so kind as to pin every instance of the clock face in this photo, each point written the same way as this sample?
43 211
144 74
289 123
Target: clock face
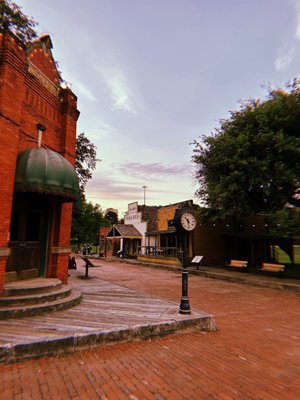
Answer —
188 221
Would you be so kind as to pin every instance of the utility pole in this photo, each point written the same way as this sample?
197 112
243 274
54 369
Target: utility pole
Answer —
144 187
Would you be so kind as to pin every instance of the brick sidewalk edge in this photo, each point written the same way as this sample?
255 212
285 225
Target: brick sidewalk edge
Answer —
59 346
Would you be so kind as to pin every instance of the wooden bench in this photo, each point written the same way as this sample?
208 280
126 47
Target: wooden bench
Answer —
269 267
237 264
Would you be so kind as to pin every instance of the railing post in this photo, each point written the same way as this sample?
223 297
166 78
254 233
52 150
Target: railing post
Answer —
86 267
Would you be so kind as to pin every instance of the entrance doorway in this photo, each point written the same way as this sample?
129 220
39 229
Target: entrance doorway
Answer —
28 240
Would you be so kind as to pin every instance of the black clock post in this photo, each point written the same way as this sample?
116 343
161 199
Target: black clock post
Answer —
184 307
185 223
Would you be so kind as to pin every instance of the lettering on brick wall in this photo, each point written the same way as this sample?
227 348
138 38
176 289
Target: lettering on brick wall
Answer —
43 79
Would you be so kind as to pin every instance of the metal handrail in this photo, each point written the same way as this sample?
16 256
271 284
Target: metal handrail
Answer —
165 252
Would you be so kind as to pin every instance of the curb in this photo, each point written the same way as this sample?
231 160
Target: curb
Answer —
218 275
248 281
60 346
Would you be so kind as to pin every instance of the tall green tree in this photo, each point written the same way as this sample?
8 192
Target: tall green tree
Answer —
112 216
87 218
285 222
251 163
13 18
85 159
86 227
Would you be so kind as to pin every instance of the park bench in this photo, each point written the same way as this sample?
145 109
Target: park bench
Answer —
269 267
239 264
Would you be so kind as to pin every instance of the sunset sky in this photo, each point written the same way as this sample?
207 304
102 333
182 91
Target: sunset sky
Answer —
153 75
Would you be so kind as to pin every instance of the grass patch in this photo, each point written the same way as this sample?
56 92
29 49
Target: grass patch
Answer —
285 259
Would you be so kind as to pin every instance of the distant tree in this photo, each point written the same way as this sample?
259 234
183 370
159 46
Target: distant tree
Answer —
12 18
85 159
112 216
285 222
251 164
85 228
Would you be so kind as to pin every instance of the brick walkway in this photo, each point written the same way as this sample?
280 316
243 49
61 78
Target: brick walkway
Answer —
254 355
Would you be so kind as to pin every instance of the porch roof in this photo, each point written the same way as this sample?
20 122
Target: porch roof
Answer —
285 243
124 231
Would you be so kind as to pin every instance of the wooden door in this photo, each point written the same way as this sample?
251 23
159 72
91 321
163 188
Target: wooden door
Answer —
27 242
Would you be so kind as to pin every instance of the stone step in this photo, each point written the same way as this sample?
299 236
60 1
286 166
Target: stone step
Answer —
71 300
35 298
31 286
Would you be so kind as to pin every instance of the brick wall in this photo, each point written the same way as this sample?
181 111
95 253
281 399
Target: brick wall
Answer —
30 94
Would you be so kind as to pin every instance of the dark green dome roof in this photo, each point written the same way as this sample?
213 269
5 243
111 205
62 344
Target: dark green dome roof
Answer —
45 171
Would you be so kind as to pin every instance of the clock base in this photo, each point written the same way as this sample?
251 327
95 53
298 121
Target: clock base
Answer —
184 307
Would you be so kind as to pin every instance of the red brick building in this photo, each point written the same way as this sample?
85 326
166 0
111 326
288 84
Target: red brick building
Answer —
38 183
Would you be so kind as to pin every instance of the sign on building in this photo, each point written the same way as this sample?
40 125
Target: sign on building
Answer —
133 216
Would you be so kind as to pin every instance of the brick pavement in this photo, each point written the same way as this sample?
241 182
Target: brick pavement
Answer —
254 355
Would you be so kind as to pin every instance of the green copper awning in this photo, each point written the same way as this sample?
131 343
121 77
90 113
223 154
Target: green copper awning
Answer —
45 171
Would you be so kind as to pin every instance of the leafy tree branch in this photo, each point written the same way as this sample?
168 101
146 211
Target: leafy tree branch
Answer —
250 164
85 159
13 18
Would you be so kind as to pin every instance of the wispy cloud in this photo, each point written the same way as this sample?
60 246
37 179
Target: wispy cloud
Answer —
152 171
100 131
121 94
297 9
80 89
115 191
288 52
284 59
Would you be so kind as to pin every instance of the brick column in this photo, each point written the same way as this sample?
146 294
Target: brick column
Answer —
12 93
70 116
62 251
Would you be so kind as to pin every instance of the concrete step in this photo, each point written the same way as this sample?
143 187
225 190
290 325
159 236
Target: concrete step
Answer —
35 298
31 286
18 311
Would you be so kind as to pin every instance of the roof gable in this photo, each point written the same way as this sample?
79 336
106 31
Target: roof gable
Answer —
39 54
125 231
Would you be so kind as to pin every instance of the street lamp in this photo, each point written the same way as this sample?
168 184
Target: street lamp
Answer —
144 187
